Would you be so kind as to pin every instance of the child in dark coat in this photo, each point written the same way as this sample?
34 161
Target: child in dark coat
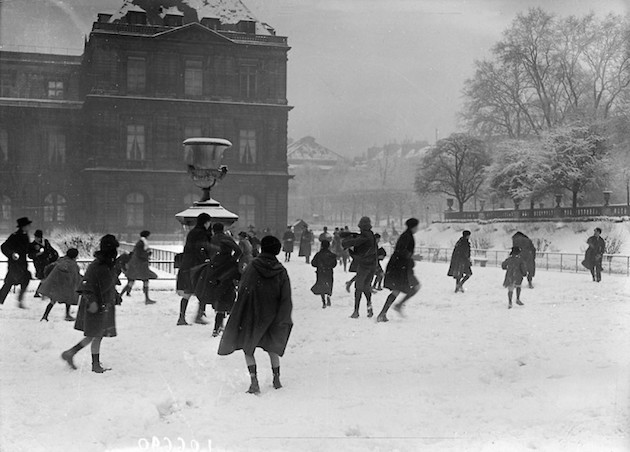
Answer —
515 270
324 261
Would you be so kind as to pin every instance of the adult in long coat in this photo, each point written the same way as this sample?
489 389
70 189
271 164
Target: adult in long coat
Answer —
97 308
288 243
594 254
41 253
399 277
528 255
216 283
16 248
61 282
364 261
324 261
306 244
461 266
138 267
261 317
196 252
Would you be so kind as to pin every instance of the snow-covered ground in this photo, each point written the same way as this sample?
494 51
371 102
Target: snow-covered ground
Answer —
461 372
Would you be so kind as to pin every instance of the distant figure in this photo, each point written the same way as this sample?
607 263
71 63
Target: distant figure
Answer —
262 314
363 255
461 265
247 249
255 241
594 254
288 243
61 282
515 270
324 261
306 244
399 277
528 254
138 267
381 254
325 236
41 253
16 249
97 309
196 252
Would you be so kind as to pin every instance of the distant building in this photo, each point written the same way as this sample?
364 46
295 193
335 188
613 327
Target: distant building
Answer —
307 151
95 140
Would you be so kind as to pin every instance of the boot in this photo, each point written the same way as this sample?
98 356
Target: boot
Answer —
201 315
126 290
69 318
357 304
519 302
183 304
382 317
276 377
147 300
97 367
349 284
328 301
370 311
218 324
254 387
509 304
48 309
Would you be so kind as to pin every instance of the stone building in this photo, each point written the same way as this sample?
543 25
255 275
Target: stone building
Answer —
95 140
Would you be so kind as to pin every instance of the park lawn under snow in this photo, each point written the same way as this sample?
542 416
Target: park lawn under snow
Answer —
461 372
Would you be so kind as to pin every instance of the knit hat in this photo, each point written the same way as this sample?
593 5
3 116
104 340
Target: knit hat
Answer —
202 219
325 244
466 233
108 243
270 245
39 233
145 234
365 223
412 223
72 253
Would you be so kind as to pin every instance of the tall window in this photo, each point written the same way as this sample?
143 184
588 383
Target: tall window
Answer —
136 74
193 78
135 142
5 208
247 211
192 132
54 208
4 145
56 148
55 89
134 210
248 81
247 147
7 84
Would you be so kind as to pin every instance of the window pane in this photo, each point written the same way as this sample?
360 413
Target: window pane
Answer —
247 147
136 74
55 89
135 142
4 145
193 75
247 211
5 208
56 148
134 210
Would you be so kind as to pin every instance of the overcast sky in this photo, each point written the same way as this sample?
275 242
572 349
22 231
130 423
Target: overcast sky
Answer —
361 72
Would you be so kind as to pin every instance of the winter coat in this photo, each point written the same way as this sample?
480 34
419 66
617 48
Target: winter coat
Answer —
42 254
17 243
460 260
399 272
261 316
594 252
515 270
306 243
99 286
288 242
215 281
528 252
324 261
138 266
62 281
363 251
196 252
248 254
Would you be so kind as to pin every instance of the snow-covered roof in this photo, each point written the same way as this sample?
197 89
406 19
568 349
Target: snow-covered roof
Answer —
172 11
227 11
308 150
418 153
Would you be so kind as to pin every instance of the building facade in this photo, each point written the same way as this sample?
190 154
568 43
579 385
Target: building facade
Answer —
95 140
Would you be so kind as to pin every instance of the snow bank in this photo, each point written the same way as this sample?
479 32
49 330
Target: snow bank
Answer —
461 372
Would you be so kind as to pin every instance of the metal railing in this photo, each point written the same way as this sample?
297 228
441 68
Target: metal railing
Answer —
564 262
621 210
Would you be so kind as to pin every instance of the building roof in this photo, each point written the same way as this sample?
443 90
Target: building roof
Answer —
307 150
227 11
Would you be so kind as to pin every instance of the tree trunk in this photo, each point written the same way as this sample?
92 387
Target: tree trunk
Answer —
575 200
461 205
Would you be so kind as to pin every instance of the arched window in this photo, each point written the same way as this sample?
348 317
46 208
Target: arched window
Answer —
134 210
247 211
54 208
5 208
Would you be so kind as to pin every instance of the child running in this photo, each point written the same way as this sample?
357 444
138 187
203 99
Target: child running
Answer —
324 261
515 270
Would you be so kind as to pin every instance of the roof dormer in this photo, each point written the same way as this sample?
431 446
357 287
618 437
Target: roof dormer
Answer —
213 23
136 15
172 17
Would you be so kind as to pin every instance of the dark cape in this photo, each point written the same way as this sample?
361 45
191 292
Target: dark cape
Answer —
17 243
460 260
515 270
138 265
42 254
399 272
98 285
594 252
306 241
324 261
288 242
196 252
261 316
528 252
62 281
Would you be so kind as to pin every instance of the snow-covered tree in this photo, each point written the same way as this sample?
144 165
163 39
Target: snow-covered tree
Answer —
455 166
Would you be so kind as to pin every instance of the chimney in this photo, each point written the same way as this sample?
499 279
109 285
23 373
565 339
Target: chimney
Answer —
212 23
